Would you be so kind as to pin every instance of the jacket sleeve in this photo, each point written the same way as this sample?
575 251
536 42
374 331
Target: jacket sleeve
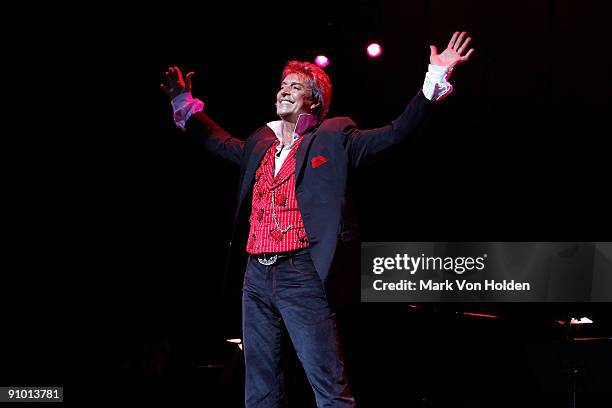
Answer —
214 139
363 144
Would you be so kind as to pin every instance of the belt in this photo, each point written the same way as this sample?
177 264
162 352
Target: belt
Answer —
269 258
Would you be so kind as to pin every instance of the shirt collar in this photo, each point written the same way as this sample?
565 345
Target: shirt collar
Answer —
305 121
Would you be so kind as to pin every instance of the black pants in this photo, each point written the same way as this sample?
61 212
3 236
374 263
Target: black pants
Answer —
290 292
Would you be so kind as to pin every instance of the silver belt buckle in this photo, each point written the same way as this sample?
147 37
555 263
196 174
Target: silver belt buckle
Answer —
267 261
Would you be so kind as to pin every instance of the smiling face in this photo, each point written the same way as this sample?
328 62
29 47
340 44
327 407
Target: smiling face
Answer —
293 98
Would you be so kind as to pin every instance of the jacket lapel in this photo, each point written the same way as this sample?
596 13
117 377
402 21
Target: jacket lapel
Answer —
301 156
304 123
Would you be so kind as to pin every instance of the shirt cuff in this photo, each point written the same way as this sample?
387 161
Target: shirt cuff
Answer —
436 86
438 71
184 105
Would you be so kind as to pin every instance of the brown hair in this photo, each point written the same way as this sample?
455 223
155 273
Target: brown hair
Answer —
318 81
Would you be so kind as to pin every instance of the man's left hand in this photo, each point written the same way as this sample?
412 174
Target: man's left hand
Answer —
452 55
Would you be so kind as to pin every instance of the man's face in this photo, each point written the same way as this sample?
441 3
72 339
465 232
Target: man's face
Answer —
293 98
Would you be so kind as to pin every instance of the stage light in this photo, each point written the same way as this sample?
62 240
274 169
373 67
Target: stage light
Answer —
374 50
322 61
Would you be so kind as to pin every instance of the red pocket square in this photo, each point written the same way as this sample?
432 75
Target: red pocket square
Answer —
318 160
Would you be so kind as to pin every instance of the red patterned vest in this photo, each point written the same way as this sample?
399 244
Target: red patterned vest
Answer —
276 222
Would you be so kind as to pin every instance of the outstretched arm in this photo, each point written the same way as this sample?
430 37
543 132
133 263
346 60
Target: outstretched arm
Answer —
363 144
188 115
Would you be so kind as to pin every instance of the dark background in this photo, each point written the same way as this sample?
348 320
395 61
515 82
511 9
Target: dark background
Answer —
518 152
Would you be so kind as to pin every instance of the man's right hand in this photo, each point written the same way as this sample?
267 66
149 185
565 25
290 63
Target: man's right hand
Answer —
176 84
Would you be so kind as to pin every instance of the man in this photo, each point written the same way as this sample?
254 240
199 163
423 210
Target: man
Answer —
293 179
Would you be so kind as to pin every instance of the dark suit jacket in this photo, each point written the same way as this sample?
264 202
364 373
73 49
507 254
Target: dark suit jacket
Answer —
321 191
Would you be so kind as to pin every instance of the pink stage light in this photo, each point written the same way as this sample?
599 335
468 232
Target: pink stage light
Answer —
374 50
322 61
